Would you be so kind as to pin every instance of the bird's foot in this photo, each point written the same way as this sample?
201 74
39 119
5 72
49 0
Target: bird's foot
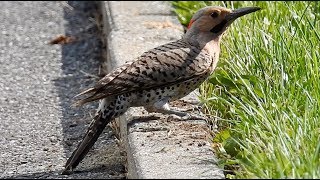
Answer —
192 109
186 117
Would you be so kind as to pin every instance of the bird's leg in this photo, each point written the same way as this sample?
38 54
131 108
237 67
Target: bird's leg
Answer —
162 106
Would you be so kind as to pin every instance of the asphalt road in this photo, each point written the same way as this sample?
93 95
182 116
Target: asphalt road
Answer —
39 129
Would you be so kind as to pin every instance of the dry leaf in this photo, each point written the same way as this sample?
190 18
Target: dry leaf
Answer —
162 24
62 39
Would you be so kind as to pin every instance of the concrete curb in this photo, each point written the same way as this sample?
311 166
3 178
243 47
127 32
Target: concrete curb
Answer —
160 148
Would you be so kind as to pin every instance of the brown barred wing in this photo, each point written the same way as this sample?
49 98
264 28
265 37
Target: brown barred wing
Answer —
162 66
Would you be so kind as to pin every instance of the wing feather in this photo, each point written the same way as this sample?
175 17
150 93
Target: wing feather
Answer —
165 65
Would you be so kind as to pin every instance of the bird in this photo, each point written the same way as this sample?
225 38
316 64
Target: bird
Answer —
158 76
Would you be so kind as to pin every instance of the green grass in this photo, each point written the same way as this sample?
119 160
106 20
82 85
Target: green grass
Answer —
266 90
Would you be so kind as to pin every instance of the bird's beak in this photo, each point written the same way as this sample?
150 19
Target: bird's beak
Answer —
240 12
232 16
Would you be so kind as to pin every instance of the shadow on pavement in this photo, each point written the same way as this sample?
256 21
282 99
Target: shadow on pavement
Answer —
80 66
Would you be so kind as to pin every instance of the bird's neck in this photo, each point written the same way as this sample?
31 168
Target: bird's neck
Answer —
206 41
201 38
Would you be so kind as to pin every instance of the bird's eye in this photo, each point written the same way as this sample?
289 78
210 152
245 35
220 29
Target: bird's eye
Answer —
214 14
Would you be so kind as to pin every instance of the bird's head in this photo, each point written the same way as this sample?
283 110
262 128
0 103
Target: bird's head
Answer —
214 20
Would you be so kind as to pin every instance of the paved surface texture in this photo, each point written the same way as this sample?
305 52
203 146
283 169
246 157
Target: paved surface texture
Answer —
157 147
37 82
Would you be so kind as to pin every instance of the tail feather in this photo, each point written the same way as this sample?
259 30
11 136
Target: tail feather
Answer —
88 99
96 127
90 90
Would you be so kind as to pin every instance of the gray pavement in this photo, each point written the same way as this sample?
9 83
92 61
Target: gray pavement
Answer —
37 82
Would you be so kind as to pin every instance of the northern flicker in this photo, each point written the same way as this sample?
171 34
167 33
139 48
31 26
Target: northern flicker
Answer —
160 75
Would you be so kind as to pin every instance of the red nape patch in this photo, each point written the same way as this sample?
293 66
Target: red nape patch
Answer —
190 23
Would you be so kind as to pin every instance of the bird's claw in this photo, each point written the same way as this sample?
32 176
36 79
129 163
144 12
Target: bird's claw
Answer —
186 117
